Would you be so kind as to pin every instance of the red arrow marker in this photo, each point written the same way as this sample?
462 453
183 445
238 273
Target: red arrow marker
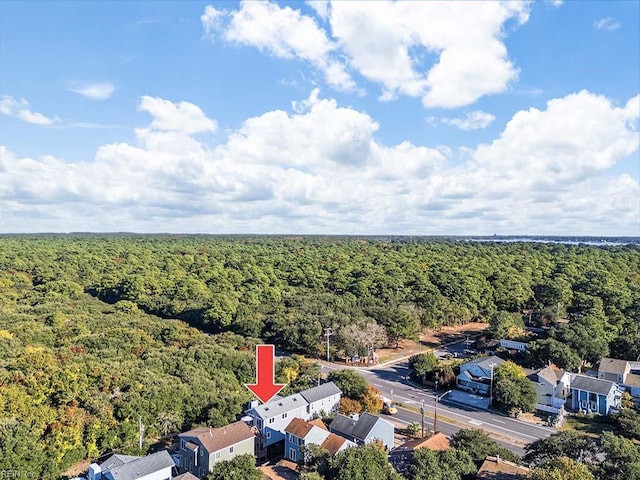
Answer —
265 388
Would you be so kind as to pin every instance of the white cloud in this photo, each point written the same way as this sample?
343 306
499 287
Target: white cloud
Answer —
607 23
95 91
20 109
448 53
554 3
320 169
183 117
471 121
281 32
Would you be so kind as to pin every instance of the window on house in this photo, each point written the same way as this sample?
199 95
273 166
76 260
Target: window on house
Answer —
231 450
284 415
271 420
292 454
268 434
217 455
308 408
183 442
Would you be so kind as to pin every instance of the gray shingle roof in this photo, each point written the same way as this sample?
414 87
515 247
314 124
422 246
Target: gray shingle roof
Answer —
359 429
590 384
142 466
487 362
283 405
613 365
321 391
116 460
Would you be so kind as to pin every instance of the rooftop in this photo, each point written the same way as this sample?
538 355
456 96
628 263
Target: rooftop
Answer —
333 443
437 442
359 428
487 362
321 391
280 406
590 384
300 428
139 466
551 374
214 439
494 468
613 365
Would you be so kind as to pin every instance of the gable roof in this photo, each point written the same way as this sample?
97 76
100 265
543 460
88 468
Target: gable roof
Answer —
437 442
321 391
117 460
280 406
214 439
141 467
590 384
494 468
359 429
486 362
300 428
333 443
613 365
186 476
551 374
632 380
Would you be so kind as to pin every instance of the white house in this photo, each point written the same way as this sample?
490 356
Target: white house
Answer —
156 466
553 386
475 376
513 345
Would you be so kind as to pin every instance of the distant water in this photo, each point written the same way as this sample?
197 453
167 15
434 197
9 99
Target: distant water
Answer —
597 241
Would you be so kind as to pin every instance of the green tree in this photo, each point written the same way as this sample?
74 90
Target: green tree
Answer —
506 325
478 444
570 443
242 467
628 421
561 468
352 384
363 463
622 458
452 464
423 364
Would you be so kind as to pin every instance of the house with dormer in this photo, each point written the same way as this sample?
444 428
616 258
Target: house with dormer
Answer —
272 418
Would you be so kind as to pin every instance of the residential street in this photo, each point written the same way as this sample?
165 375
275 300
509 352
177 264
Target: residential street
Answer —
391 380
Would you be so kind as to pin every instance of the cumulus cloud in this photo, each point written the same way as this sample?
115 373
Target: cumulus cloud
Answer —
607 24
20 109
320 168
95 91
448 54
183 116
281 32
471 120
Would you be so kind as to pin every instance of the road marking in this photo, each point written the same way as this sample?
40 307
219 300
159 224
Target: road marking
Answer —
475 422
499 421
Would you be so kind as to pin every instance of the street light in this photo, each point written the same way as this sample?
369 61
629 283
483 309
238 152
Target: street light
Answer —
491 388
435 413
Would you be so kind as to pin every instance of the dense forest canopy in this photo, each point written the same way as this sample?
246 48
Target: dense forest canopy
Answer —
97 331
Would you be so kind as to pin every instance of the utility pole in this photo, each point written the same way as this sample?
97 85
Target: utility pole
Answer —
140 432
327 333
435 411
422 413
491 388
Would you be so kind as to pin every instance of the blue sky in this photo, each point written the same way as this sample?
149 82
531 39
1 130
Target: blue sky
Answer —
320 117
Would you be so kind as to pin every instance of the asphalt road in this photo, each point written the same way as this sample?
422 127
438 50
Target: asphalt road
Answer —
391 381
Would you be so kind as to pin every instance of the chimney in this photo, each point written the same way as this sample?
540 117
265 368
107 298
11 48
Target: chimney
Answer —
210 432
497 458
